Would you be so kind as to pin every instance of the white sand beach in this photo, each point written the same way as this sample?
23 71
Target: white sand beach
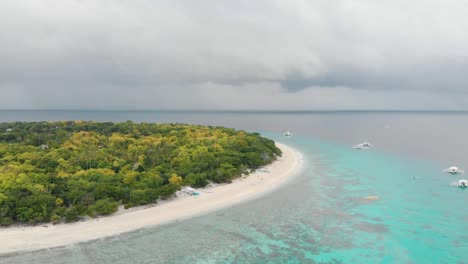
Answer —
184 207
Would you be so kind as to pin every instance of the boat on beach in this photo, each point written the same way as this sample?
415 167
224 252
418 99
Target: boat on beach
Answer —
190 191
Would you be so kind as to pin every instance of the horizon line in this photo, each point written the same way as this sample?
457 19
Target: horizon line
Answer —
253 110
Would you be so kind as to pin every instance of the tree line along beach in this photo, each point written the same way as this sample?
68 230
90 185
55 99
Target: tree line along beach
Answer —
56 172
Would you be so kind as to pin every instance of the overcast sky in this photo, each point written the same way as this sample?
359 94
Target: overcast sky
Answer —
146 54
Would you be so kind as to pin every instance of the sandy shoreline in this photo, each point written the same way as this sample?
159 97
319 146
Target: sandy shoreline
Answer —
258 183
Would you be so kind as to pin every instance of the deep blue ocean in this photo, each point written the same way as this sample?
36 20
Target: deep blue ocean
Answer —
321 216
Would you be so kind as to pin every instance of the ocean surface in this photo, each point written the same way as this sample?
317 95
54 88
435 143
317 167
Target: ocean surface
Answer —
321 216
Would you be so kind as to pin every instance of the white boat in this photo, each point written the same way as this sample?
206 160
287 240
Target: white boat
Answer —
363 145
463 183
453 170
287 134
189 191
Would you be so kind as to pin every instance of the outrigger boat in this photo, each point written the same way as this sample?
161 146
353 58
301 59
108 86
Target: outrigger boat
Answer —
453 170
363 145
463 183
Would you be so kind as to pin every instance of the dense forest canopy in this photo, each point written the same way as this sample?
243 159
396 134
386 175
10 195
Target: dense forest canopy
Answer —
63 171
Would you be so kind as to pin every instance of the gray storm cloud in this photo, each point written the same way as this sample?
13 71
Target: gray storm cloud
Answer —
233 54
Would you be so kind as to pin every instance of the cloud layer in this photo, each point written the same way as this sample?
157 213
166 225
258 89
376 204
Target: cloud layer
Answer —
141 54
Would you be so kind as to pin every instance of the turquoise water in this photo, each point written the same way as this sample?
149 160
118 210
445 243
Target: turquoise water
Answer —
321 216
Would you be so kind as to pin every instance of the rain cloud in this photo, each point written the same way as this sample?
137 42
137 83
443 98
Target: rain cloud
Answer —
320 54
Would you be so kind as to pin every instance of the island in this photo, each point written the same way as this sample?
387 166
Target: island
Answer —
62 175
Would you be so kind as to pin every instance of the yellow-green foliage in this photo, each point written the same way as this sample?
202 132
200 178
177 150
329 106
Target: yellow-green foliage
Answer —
53 171
176 180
